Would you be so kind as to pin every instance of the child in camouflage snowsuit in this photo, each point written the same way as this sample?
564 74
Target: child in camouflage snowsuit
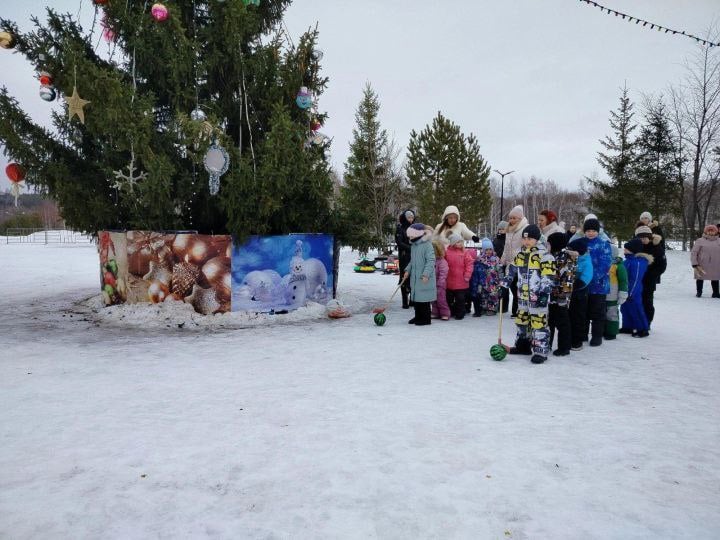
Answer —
617 295
485 280
559 312
535 271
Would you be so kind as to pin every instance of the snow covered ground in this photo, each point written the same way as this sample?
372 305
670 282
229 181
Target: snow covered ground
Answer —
143 422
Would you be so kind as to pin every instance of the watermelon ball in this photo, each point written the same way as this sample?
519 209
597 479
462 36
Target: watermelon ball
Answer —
498 352
379 319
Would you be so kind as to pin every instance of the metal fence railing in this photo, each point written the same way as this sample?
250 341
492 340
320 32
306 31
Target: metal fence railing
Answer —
44 236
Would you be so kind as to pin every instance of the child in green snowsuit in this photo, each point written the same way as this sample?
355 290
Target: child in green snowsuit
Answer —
617 295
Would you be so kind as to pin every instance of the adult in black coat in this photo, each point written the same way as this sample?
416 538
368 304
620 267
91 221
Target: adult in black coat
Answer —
652 245
499 247
405 219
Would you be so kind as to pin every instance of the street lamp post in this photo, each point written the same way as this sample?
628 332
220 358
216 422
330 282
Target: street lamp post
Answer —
502 190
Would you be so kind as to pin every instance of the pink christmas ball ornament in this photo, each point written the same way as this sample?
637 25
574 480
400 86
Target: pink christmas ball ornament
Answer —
159 12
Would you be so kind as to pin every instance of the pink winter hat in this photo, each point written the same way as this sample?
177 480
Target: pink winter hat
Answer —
416 230
710 229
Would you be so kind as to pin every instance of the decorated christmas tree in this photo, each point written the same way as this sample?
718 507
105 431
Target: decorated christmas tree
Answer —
203 116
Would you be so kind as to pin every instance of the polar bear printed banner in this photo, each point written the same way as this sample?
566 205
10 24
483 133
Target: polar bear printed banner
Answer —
272 273
282 273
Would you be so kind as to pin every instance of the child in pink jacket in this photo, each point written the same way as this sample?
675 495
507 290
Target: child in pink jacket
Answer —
460 267
440 308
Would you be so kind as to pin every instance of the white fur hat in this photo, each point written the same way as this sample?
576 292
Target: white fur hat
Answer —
646 215
517 212
589 216
451 210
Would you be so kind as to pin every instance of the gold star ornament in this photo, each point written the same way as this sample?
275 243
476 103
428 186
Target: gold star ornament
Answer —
75 105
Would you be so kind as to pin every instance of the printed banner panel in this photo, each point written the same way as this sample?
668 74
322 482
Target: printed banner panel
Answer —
270 273
282 273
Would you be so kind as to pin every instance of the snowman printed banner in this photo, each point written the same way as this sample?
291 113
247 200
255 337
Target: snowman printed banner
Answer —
282 273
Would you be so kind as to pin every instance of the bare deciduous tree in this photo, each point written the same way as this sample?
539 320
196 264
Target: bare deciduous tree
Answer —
695 113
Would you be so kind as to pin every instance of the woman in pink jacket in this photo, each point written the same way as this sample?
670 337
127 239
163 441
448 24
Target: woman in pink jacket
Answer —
460 267
440 308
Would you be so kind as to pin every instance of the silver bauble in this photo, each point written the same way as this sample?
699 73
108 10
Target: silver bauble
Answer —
198 115
48 93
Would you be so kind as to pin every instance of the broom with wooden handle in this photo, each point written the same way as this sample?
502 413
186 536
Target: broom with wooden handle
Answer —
383 308
499 351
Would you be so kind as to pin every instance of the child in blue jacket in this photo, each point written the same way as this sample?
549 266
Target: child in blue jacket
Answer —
601 256
634 320
579 298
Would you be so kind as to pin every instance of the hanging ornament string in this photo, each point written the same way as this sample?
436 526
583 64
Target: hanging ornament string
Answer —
77 17
247 114
645 23
137 33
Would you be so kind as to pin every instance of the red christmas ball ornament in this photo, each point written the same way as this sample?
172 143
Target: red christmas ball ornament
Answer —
109 279
45 78
100 2
315 124
15 173
159 12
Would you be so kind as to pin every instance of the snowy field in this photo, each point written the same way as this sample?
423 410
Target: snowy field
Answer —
146 422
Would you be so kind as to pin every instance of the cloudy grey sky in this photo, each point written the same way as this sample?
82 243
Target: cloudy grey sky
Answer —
533 80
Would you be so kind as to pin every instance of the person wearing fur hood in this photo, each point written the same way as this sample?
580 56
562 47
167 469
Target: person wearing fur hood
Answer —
705 259
420 273
451 224
634 320
647 220
513 245
652 245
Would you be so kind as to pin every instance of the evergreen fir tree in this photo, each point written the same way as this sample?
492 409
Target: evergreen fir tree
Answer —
227 59
655 165
445 167
619 201
372 183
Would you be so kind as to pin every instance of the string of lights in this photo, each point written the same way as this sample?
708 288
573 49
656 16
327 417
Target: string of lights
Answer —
645 23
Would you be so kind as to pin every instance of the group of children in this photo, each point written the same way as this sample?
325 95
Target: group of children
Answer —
573 289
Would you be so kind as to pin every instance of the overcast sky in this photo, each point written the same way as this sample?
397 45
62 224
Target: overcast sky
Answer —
533 80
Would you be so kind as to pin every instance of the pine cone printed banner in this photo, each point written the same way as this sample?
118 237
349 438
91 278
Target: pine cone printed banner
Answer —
185 275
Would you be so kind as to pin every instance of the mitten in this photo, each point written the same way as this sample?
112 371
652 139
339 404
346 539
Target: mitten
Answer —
475 239
622 297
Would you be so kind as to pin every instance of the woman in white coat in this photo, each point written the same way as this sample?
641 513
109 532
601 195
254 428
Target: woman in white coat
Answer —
451 224
513 244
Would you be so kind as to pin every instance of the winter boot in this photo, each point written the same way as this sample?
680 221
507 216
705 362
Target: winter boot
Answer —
537 359
596 341
641 333
476 307
522 346
561 352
